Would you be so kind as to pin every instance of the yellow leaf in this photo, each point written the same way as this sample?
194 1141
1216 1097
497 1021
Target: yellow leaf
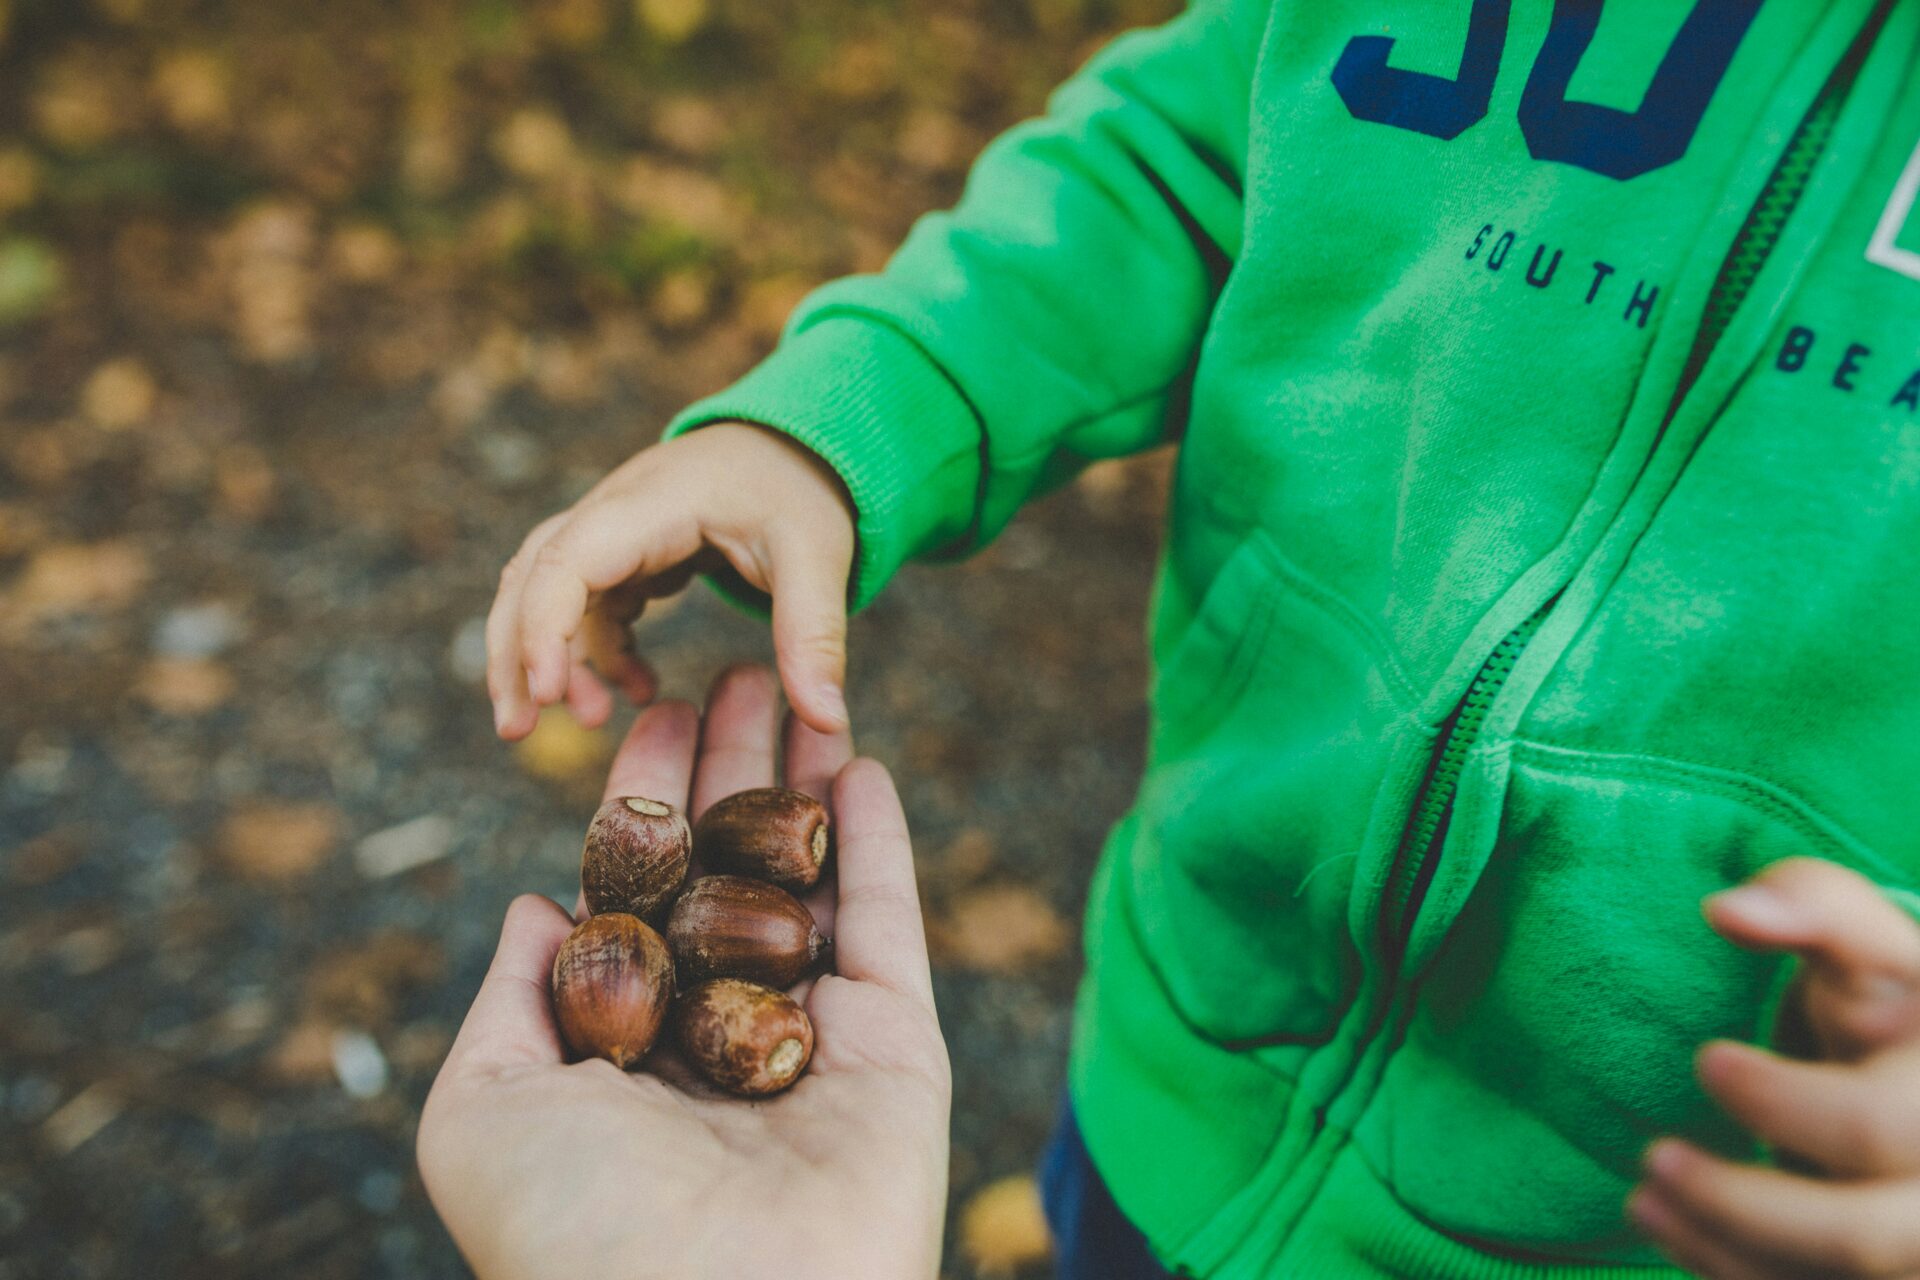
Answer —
998 929
671 20
119 394
1002 1227
267 840
184 686
560 750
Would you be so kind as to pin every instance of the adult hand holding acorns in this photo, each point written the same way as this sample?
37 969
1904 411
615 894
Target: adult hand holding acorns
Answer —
541 1167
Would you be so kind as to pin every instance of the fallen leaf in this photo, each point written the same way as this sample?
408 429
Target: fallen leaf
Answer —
680 195
576 24
998 929
269 251
671 20
406 846
21 528
682 299
119 394
690 124
559 750
74 577
190 87
272 841
362 984
31 276
1002 1227
304 1055
365 252
74 106
80 1118
19 179
770 300
933 140
243 483
46 858
184 686
534 143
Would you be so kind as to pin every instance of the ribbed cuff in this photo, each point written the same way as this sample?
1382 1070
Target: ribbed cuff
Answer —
884 416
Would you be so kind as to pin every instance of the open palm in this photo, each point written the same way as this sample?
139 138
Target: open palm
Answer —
544 1168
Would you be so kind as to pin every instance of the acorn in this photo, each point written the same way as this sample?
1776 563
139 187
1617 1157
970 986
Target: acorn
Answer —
770 833
748 1039
612 983
636 856
733 927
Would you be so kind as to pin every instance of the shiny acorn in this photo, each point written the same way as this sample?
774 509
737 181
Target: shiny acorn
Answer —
770 833
748 1039
733 927
612 984
636 857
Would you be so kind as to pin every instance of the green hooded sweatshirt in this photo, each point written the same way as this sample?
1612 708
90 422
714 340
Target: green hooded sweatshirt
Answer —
1544 555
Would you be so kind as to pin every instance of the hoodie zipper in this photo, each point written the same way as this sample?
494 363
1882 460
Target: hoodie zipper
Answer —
1414 861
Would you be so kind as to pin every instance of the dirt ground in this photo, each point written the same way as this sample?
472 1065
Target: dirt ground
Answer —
307 313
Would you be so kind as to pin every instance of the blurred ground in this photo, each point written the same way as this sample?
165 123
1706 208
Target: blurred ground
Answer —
307 313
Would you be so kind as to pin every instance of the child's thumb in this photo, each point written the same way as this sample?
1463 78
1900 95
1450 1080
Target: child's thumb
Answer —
809 586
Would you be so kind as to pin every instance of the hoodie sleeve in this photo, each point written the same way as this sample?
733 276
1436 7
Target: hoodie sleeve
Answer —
1051 317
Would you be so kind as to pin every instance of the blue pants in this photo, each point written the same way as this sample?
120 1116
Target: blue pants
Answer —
1092 1239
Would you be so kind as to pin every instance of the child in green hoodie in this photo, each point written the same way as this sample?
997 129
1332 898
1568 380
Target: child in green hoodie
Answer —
1541 560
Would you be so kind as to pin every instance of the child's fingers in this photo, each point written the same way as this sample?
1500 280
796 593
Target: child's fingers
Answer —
1824 911
606 640
809 587
1828 1228
1687 1244
1852 1120
878 934
587 698
513 707
1862 985
599 546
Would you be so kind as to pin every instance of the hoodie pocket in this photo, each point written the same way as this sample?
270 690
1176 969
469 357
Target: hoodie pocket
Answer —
1271 723
1558 1022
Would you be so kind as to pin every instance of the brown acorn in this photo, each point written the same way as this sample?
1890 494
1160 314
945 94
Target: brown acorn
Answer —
612 982
733 927
636 856
746 1038
770 833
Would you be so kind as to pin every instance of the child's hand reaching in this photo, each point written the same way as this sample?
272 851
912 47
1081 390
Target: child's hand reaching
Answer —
732 491
1852 1117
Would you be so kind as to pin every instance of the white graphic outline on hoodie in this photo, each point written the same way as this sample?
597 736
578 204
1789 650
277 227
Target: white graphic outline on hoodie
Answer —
1882 249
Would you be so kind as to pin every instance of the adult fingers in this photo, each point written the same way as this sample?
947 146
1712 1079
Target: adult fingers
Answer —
1853 1120
812 760
511 1021
879 936
513 705
738 741
1829 1228
655 759
1861 988
809 588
